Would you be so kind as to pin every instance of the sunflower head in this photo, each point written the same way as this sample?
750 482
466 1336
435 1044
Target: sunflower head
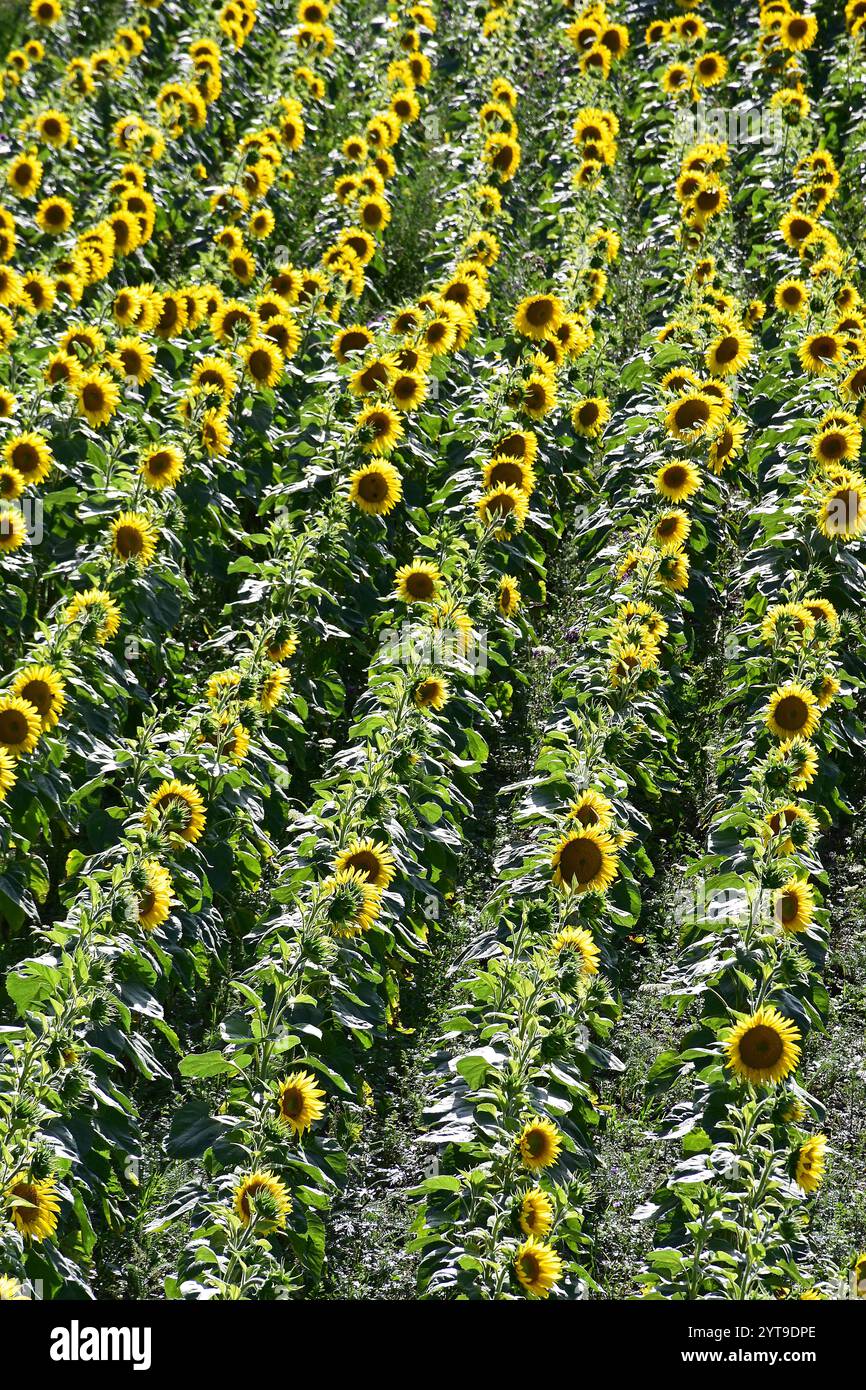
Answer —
539 1144
763 1048
300 1102
262 1198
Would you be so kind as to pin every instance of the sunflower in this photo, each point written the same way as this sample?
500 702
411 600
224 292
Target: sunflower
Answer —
432 693
538 1267
538 317
134 538
820 353
30 456
24 175
351 902
262 1197
214 432
578 941
797 32
264 362
7 773
300 1102
54 216
508 598
828 689
677 80
763 1048
98 397
677 481
728 353
837 440
505 505
512 472
519 444
274 688
792 709
671 530
794 905
809 1169
355 338
33 1206
539 1144
369 857
20 725
216 376
585 861
673 572
13 529
97 603
375 488
417 582
783 819
161 468
536 1212
791 297
408 390
133 359
727 445
379 429
179 807
710 69
590 415
842 508
154 897
786 621
692 415
822 611
43 688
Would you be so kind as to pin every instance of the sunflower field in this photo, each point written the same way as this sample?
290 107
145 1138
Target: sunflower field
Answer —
433 704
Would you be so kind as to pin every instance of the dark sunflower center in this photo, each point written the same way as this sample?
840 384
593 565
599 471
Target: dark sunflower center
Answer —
588 413
365 862
512 444
507 471
13 726
25 458
797 28
536 1143
580 861
761 1047
293 1103
129 541
792 712
789 906
260 365
689 414
540 312
373 487
834 445
353 341
727 349
93 397
824 347
675 476
420 585
39 693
